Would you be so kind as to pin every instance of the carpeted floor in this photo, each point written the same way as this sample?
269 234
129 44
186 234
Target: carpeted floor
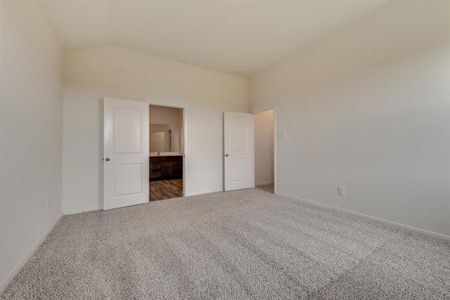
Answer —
246 244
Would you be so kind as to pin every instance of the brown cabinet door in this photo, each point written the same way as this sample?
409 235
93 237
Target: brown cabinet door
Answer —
166 167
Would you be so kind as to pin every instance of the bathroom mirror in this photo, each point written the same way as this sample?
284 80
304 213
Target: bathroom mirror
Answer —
164 138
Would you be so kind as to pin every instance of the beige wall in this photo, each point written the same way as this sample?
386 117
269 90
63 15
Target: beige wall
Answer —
108 71
368 109
264 147
165 115
30 133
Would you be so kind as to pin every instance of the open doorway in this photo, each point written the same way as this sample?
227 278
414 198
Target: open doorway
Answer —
264 150
166 152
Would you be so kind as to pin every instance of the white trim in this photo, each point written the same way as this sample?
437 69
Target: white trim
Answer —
22 263
381 220
275 141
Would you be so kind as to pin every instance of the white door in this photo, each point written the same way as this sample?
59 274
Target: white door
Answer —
125 153
239 151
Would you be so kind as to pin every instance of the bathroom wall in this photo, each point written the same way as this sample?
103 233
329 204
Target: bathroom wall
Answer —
173 118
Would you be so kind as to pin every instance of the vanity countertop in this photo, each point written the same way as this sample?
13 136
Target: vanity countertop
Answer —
156 154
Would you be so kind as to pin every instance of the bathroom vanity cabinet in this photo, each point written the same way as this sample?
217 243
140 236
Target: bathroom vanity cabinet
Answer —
166 167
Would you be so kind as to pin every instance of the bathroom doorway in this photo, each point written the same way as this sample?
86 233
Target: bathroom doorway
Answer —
166 145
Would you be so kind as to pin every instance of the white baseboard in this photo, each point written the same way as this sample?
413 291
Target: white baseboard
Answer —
381 220
22 263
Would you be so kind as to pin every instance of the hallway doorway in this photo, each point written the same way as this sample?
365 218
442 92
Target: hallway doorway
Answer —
264 150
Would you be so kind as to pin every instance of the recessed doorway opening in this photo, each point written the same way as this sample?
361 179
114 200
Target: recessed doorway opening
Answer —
166 145
265 150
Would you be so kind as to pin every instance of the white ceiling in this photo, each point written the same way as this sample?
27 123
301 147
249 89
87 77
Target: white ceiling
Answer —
236 36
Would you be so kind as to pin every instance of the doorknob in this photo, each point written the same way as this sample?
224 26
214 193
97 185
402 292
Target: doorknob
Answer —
107 159
226 155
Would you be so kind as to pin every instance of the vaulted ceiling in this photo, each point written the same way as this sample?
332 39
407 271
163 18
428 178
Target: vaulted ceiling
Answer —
236 36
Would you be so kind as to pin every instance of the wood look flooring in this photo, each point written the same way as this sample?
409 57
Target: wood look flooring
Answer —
166 189
266 187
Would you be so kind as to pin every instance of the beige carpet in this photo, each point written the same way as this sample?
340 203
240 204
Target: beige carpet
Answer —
238 245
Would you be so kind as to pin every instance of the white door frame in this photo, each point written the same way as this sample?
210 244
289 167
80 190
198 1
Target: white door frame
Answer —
275 141
185 147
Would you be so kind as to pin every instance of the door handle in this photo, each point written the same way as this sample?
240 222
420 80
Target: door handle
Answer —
107 159
226 155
